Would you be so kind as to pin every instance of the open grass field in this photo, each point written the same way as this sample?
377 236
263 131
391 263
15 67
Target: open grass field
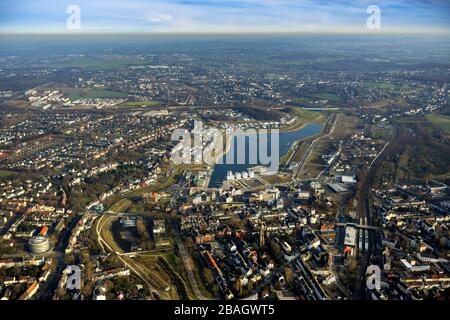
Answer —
381 134
379 85
99 62
304 117
441 121
303 100
308 100
92 93
331 97
6 174
140 104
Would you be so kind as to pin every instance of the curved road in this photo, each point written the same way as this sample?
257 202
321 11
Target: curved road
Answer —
104 244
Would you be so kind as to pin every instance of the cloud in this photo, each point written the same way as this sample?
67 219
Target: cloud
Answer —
159 18
222 15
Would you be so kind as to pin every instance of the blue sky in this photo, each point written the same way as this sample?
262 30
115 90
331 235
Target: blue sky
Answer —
227 16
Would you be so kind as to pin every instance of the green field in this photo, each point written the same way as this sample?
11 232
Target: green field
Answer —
379 85
330 97
91 93
303 100
100 62
141 103
304 117
5 173
380 134
441 121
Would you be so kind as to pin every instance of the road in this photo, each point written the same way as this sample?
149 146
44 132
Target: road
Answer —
46 289
316 292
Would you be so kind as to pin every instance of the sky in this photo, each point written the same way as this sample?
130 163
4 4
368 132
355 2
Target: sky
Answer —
224 16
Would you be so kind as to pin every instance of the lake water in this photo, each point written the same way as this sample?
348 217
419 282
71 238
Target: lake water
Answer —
286 139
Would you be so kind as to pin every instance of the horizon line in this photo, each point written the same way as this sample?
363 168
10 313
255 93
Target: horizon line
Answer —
226 33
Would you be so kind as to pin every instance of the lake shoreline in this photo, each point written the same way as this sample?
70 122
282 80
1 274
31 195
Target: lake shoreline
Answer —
287 140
